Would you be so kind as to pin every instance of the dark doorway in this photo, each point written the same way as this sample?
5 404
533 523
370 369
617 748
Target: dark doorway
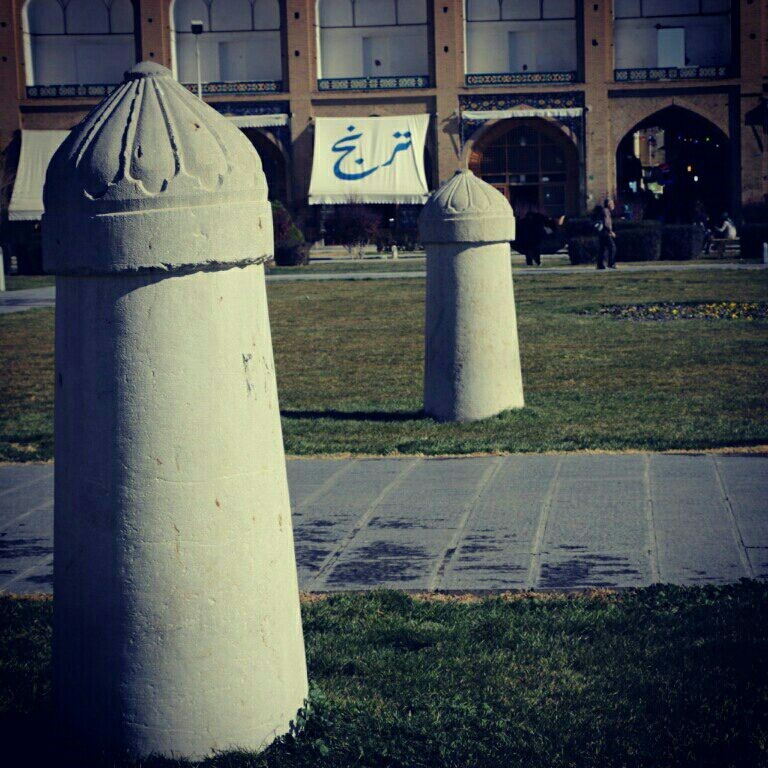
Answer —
533 163
673 164
272 161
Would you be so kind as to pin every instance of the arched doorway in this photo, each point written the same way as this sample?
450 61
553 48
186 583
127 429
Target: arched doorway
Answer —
272 161
533 163
673 163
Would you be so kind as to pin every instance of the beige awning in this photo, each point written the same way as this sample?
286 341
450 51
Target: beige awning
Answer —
503 114
37 149
258 121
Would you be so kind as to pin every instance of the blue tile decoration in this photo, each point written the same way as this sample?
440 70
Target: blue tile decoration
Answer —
520 78
658 74
372 83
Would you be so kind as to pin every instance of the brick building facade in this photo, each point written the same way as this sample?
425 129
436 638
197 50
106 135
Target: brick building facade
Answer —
580 75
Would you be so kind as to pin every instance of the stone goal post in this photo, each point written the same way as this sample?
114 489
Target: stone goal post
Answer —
471 352
177 628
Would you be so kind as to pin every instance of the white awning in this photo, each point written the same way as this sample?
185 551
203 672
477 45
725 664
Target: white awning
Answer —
258 121
369 160
502 114
37 149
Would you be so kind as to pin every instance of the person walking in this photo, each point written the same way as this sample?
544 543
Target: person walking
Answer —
606 236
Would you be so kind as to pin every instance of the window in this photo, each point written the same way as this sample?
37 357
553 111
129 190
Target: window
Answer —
672 34
372 38
520 36
240 41
78 42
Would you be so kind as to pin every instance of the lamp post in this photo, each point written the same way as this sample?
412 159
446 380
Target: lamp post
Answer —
196 27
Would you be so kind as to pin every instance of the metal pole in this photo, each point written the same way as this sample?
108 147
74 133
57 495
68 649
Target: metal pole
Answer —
199 76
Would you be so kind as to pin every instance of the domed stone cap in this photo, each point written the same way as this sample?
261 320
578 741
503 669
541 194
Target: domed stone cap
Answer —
466 210
156 179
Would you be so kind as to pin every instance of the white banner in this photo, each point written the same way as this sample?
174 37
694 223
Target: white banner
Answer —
369 160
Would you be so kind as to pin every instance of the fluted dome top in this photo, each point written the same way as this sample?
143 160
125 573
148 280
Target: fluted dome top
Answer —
152 144
152 147
466 210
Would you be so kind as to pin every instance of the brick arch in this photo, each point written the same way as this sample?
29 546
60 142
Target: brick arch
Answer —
512 186
492 129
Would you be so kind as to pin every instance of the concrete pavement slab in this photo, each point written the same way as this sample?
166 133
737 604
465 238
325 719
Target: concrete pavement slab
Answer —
695 531
566 521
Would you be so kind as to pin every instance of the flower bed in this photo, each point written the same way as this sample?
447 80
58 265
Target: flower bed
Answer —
667 311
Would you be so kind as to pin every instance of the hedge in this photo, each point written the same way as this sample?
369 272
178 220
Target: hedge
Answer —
635 241
681 242
753 236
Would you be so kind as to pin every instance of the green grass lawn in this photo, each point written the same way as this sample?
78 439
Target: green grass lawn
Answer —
349 367
415 263
22 282
654 678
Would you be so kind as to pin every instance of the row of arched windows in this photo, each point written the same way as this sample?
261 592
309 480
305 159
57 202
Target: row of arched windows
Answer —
79 17
78 41
93 41
227 15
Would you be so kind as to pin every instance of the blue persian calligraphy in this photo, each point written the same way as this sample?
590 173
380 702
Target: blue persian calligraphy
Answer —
347 145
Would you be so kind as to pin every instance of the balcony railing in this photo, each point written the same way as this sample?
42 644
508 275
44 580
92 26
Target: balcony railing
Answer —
248 88
657 74
245 88
373 83
519 78
69 91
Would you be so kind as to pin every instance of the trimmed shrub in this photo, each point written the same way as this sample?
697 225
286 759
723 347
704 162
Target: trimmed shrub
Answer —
752 236
638 241
291 250
354 226
583 249
681 242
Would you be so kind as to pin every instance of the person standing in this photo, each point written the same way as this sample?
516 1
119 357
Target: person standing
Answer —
533 228
607 237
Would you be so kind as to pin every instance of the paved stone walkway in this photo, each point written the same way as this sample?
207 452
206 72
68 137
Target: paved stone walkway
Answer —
34 298
565 521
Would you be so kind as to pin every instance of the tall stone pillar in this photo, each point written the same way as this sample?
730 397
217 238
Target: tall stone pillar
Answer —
176 610
472 357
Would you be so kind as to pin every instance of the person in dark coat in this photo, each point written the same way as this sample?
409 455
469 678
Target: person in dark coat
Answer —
531 231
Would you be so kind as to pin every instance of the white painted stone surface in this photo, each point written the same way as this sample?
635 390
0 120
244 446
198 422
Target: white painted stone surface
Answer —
472 357
177 627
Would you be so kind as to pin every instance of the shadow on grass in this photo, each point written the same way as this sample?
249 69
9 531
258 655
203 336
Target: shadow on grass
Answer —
356 415
27 737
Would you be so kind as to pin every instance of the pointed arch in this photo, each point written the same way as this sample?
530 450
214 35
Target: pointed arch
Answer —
673 162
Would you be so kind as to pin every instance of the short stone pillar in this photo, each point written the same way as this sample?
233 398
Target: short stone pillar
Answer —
176 608
472 357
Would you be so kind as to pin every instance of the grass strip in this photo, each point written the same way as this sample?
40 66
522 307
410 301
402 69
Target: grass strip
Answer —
658 677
